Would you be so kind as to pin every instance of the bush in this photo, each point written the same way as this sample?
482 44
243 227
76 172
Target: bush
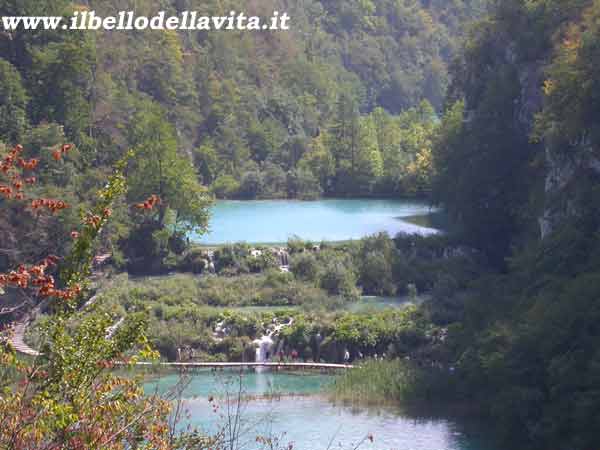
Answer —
251 185
225 186
304 266
195 261
337 275
303 184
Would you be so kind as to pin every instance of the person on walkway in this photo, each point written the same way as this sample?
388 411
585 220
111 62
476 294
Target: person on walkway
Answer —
346 356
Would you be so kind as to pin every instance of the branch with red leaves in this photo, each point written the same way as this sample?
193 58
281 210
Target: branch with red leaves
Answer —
102 410
149 203
15 169
35 276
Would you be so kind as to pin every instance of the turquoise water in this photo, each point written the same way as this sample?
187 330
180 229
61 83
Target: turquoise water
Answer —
206 382
312 422
274 221
365 304
376 303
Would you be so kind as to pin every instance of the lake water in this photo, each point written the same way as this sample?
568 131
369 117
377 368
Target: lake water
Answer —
366 303
304 416
275 221
376 303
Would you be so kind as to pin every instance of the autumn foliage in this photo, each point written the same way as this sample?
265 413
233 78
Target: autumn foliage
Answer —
68 397
36 277
149 203
17 171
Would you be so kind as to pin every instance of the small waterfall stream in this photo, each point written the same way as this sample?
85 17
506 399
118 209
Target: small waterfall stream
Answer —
265 345
284 258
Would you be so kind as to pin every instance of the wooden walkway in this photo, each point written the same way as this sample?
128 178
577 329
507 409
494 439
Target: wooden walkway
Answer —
18 338
222 365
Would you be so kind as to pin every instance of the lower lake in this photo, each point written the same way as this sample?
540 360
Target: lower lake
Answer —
275 221
295 407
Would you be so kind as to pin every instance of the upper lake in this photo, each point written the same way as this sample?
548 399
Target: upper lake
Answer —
275 221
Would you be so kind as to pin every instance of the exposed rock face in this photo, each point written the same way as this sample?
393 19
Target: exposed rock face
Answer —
563 169
563 166
559 171
531 77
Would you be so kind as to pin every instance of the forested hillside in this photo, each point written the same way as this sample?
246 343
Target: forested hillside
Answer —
517 162
497 123
343 104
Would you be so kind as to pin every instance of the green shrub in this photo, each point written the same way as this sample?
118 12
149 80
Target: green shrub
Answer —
225 186
304 266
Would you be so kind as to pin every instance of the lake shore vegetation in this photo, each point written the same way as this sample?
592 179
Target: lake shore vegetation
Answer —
486 109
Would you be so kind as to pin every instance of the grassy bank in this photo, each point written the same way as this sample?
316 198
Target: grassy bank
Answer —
393 382
322 292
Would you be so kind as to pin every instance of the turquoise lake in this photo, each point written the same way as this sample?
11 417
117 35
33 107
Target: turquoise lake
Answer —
303 415
275 221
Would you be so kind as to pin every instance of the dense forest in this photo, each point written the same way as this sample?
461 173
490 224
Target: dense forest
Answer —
517 163
488 109
344 104
316 105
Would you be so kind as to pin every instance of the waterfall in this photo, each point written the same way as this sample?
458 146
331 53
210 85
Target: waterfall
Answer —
264 348
265 345
221 331
284 258
210 266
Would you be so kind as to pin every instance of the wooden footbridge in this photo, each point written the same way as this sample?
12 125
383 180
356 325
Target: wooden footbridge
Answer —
18 342
21 347
243 365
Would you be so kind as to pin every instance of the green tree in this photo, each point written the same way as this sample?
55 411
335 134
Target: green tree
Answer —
319 161
337 275
343 141
207 162
369 163
376 257
63 74
160 169
13 104
303 184
485 165
304 266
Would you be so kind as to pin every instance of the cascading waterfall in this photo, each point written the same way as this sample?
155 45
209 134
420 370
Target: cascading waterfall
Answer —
220 332
266 343
284 258
264 346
